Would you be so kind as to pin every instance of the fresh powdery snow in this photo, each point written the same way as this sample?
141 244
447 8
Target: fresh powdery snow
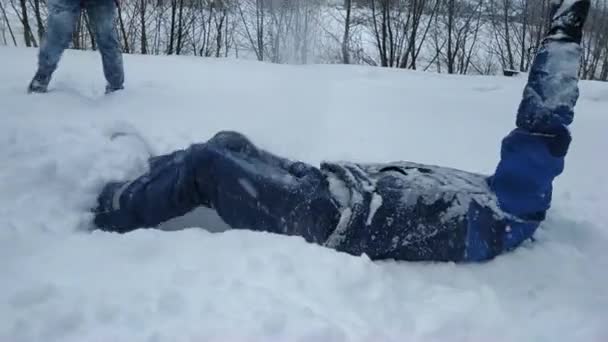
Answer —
61 282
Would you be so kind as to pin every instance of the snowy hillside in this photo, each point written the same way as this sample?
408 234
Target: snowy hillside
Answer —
59 282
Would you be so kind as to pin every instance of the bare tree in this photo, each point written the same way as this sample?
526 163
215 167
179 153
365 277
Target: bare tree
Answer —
595 43
142 19
456 35
221 24
39 21
172 32
280 30
180 28
348 6
23 16
396 26
123 31
523 62
500 17
419 9
8 24
254 33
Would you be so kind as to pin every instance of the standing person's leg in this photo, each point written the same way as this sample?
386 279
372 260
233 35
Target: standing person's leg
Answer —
62 15
102 16
533 154
249 188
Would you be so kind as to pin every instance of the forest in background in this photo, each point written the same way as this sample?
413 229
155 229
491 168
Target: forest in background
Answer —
446 36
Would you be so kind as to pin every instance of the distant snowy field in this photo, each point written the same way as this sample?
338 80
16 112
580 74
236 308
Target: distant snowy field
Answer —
59 282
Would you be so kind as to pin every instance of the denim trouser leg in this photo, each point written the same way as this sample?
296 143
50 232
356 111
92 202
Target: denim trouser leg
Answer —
62 17
102 16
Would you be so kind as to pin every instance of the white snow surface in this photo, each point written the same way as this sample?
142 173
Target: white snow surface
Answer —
60 282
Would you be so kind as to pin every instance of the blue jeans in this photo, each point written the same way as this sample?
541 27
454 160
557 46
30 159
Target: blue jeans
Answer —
62 18
403 211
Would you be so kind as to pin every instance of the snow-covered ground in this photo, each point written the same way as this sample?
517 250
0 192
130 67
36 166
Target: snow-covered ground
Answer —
59 282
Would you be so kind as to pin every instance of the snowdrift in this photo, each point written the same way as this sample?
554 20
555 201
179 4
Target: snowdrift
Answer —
60 282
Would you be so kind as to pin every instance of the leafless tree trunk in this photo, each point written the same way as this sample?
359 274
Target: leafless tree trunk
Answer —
417 10
172 33
348 5
219 27
400 29
604 72
255 32
142 18
499 12
8 24
91 33
39 21
228 38
123 31
28 35
260 27
456 35
524 34
180 28
595 43
507 24
450 53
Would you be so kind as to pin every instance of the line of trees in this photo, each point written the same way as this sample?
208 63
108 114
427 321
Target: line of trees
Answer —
451 36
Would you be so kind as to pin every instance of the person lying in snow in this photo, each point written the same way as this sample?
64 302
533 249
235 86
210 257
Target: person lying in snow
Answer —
403 210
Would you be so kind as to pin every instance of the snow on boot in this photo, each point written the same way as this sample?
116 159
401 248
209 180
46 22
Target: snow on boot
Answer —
568 19
133 151
39 84
109 215
110 89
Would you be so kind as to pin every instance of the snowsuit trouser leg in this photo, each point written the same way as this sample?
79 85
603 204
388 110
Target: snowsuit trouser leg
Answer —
248 187
533 154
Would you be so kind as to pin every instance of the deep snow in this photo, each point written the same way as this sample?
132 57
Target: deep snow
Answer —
60 282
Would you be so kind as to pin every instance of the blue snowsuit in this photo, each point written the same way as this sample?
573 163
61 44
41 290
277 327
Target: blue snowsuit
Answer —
62 18
402 210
